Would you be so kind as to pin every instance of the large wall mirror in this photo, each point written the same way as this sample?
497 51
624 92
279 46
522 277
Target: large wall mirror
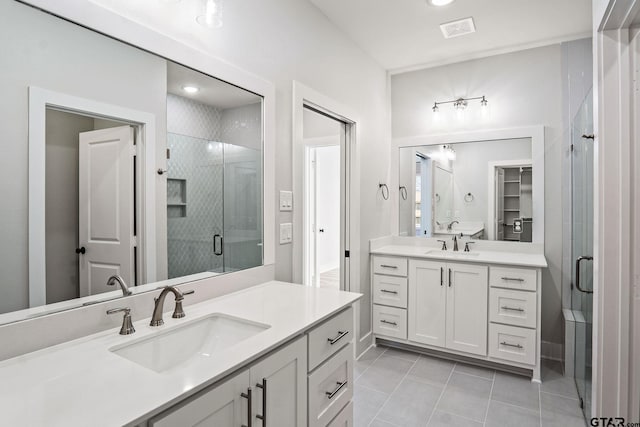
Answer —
118 162
481 189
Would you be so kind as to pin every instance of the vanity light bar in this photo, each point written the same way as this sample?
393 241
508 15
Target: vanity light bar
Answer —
461 103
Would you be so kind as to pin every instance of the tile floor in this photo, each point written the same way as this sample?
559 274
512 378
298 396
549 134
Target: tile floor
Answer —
400 388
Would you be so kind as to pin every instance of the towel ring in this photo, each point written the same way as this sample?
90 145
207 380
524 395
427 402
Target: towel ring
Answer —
385 190
468 197
403 192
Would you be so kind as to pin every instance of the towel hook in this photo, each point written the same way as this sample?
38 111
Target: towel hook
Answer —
385 190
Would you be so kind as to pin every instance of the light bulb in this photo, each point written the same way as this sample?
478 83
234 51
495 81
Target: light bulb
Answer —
440 2
190 89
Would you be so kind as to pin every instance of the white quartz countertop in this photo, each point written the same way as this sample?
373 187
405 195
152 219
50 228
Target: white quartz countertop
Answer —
519 259
82 383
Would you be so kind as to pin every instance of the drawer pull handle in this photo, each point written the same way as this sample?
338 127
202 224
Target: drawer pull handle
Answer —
513 279
330 394
247 396
388 323
449 277
512 309
511 345
263 417
341 334
441 276
389 266
389 292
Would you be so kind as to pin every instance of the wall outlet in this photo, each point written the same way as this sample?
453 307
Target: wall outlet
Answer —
286 233
286 201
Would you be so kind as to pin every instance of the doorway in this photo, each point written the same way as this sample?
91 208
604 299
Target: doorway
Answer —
90 204
324 139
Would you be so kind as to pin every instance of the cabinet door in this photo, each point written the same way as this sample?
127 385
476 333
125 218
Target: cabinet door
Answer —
467 296
280 384
220 406
427 302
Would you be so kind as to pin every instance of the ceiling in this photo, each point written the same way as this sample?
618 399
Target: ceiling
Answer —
212 91
405 34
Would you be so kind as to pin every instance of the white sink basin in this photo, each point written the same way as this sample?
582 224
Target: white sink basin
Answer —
452 254
196 340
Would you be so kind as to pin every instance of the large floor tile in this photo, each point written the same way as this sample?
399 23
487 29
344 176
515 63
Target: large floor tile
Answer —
380 423
444 419
516 390
467 396
411 403
385 373
366 404
552 419
431 369
366 359
553 380
402 354
501 414
552 403
475 370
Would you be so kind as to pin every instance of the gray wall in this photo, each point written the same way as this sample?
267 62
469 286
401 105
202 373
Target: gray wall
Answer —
41 50
524 89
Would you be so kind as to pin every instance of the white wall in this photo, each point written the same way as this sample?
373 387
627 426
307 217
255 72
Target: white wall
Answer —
523 88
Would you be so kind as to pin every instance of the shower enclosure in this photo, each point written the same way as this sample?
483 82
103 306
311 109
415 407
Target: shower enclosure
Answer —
582 166
214 209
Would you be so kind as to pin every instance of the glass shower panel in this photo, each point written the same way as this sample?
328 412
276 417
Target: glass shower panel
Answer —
195 208
242 207
582 247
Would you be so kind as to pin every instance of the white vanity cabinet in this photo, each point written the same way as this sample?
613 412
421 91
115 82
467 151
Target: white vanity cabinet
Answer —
465 306
272 392
448 305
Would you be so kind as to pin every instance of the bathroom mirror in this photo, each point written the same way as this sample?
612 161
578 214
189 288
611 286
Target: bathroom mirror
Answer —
116 161
475 190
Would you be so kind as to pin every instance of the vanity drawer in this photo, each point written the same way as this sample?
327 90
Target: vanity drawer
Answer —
513 307
512 343
344 418
524 279
390 321
390 265
388 290
329 337
331 387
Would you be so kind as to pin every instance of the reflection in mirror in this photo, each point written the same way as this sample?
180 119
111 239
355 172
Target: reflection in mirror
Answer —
477 190
120 163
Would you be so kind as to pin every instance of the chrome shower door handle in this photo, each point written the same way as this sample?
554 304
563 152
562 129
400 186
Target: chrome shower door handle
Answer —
578 261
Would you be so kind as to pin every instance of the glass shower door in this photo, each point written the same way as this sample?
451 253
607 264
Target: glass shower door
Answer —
582 247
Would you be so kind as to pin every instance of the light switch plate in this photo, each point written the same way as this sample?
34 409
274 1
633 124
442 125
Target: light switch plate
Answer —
286 201
286 233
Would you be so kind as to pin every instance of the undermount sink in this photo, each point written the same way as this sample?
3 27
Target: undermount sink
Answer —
195 340
451 254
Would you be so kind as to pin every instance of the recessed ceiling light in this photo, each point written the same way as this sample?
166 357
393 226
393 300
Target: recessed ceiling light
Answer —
190 89
439 2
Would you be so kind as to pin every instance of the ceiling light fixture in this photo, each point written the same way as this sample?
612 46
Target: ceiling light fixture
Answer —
439 2
461 103
211 15
190 89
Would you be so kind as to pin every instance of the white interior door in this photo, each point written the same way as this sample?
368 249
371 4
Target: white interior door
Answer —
106 207
499 208
327 208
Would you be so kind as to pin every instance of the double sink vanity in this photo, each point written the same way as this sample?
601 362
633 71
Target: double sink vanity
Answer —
275 354
483 304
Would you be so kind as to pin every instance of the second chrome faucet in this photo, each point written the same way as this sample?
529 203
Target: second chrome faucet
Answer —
178 312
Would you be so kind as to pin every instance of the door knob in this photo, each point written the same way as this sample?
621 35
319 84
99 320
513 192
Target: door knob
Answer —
81 250
321 230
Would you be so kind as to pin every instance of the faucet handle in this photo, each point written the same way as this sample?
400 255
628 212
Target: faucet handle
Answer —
127 326
444 244
466 245
178 313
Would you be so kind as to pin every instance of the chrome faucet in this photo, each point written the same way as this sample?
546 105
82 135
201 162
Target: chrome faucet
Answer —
178 312
117 279
450 226
455 243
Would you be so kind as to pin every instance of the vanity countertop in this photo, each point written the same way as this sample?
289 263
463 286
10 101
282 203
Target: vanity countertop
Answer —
519 259
81 382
